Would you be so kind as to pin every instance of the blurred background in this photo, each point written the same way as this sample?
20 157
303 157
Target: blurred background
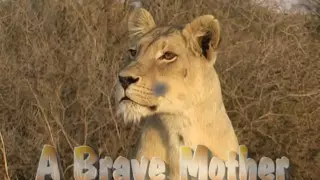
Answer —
59 59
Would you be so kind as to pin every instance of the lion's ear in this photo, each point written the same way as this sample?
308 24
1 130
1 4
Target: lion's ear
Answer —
139 23
205 32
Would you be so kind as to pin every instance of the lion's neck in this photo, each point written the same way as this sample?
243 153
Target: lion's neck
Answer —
198 117
207 124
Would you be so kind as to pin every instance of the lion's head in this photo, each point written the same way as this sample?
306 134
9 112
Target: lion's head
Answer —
170 68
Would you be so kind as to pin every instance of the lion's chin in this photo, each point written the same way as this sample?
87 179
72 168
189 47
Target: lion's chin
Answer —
132 112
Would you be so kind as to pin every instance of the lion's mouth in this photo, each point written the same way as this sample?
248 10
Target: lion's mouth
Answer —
126 98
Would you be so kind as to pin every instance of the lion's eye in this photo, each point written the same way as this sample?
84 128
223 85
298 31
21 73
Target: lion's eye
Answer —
132 52
168 56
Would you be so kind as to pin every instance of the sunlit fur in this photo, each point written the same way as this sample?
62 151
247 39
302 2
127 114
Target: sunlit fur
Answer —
178 99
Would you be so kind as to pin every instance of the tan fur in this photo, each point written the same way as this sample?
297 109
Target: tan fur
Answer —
190 111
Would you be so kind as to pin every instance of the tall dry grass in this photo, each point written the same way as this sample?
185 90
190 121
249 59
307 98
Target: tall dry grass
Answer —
59 59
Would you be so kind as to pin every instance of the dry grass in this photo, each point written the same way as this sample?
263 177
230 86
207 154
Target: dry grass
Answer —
58 63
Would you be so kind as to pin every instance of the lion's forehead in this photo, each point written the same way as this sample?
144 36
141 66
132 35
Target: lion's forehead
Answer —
155 35
161 32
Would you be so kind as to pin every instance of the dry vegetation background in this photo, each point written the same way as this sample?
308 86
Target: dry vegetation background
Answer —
59 59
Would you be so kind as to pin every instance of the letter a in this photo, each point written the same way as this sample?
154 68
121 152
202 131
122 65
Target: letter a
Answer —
49 164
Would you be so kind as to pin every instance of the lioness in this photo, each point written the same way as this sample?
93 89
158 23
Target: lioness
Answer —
171 87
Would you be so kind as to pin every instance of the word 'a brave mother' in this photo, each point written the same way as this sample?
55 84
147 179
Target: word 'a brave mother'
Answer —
87 165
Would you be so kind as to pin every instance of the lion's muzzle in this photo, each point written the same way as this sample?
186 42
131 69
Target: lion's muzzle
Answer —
133 90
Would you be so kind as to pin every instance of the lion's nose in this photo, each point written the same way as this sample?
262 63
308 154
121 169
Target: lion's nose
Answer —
125 81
